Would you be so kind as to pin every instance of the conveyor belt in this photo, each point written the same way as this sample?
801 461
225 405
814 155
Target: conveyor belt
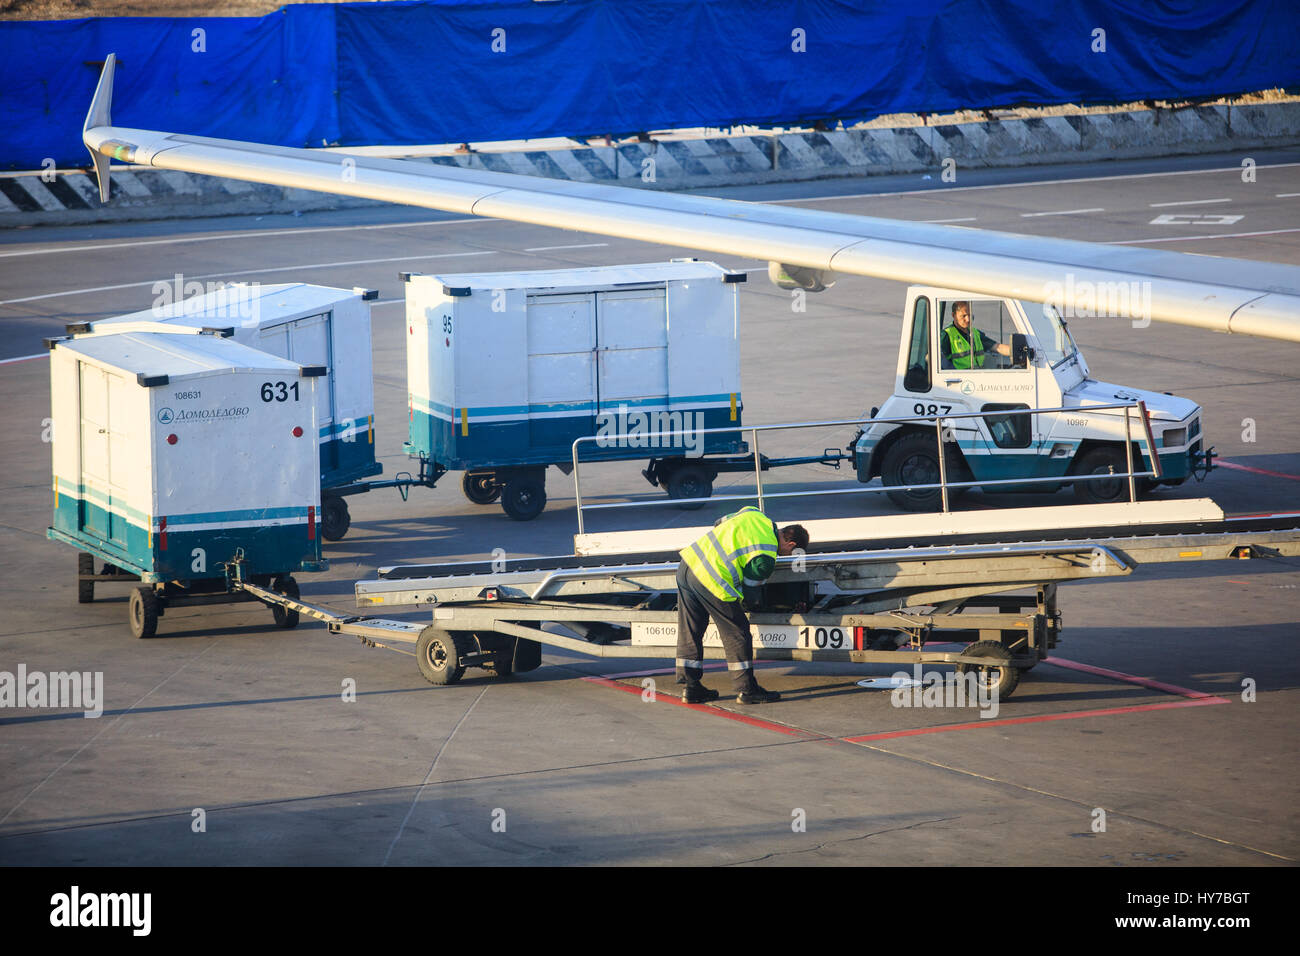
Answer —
1248 524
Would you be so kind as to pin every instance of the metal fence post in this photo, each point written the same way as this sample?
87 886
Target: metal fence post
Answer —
1128 448
577 484
943 467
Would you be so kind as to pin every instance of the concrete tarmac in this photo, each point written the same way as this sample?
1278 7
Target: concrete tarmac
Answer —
569 764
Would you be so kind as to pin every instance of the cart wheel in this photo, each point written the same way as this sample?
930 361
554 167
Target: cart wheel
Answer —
334 518
1104 461
142 612
690 481
523 498
85 589
998 677
439 655
285 617
481 488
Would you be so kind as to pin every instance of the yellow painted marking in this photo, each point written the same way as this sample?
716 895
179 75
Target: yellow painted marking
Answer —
464 422
733 406
1190 554
371 433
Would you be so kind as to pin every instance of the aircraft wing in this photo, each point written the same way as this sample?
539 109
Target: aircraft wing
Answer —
1228 295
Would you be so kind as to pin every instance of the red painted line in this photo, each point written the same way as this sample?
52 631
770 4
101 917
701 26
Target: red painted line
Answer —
1258 471
1235 581
715 711
1266 514
1201 702
1129 678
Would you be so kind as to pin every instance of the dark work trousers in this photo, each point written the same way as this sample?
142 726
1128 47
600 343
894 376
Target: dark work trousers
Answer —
695 605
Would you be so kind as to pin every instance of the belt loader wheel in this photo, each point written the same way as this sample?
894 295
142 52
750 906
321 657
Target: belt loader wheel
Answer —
142 612
335 519
481 488
85 589
999 677
285 617
439 654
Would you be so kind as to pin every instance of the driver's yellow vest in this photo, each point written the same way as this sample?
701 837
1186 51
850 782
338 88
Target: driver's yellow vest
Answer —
718 558
961 349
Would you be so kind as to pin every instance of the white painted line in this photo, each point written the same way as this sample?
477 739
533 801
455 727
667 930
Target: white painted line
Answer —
1060 212
253 234
963 219
1187 202
1286 195
24 358
249 272
580 245
1194 219
1222 235
1036 182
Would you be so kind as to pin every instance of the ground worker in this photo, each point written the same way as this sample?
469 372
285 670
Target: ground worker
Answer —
717 573
961 346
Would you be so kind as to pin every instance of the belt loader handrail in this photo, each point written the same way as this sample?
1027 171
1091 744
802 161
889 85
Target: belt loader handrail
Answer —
943 485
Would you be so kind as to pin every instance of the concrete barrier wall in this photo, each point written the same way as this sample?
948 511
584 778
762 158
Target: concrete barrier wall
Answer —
142 193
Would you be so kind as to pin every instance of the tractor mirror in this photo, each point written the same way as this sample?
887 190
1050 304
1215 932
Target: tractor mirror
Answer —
1019 351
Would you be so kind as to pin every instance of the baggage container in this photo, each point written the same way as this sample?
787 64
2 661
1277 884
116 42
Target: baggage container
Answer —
308 324
177 455
506 370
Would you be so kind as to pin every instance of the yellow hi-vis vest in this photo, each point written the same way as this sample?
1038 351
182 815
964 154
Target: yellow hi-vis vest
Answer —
718 558
963 351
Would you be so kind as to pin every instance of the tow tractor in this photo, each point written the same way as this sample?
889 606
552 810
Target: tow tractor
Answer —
1078 426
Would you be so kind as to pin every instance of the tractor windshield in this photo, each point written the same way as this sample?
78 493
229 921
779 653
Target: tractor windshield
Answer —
1049 328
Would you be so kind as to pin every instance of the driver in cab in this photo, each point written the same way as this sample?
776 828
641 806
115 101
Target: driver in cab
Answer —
962 346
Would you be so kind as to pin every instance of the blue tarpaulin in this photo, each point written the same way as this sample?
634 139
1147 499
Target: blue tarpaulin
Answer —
456 71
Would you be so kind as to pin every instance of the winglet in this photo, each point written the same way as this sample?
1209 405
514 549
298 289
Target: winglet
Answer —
100 115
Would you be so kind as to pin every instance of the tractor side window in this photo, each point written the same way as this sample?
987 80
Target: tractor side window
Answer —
1007 431
917 377
994 322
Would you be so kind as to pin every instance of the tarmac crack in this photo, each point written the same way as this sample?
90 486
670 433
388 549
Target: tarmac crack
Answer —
821 846
1087 805
432 767
50 776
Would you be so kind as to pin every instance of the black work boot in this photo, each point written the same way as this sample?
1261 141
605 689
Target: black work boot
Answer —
698 694
757 695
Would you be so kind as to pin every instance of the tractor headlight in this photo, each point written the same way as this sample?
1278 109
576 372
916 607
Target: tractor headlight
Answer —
1173 437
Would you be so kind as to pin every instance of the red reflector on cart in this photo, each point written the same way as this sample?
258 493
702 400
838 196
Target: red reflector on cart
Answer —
297 431
162 534
311 522
171 439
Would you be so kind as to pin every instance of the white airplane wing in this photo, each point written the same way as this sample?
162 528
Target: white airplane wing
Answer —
1228 295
